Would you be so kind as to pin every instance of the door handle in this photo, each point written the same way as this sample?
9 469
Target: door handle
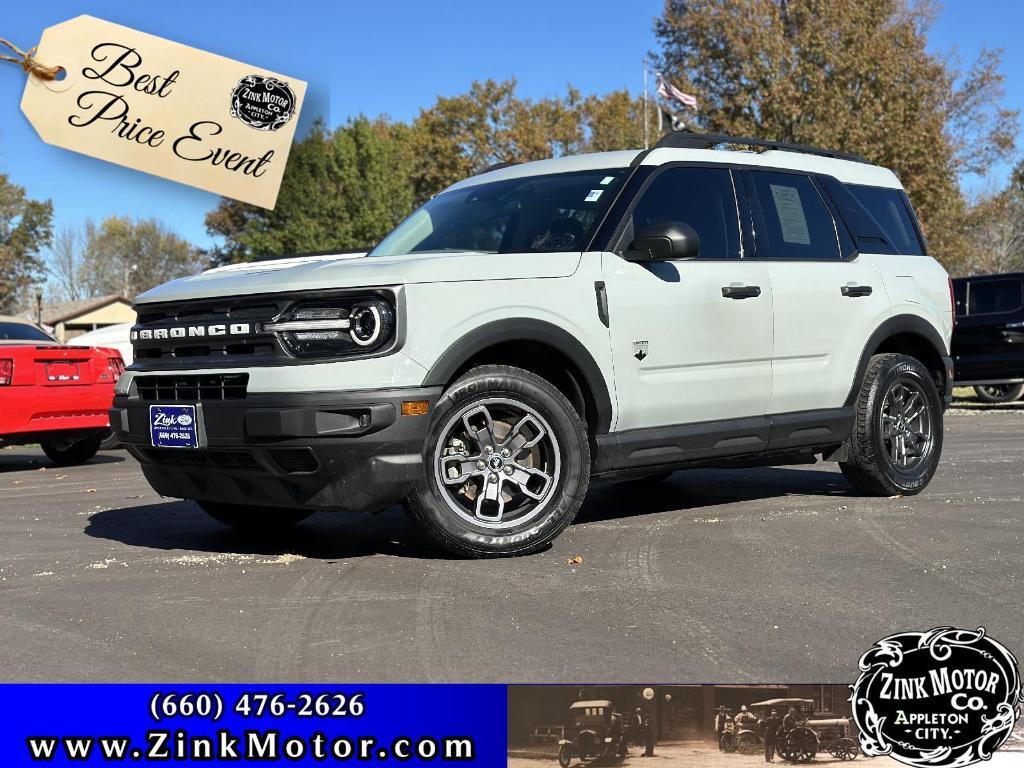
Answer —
741 291
853 291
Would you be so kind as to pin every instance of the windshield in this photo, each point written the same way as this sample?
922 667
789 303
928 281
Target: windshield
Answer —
21 332
531 214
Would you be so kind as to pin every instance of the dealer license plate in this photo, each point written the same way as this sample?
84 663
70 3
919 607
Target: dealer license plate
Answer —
173 426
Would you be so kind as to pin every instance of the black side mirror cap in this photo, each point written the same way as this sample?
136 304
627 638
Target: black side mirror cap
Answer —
664 240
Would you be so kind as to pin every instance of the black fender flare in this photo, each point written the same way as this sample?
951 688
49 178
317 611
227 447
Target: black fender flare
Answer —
891 327
527 329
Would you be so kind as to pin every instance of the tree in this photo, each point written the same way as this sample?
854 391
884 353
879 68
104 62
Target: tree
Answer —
341 190
995 229
849 74
462 135
65 267
995 235
25 229
125 256
613 121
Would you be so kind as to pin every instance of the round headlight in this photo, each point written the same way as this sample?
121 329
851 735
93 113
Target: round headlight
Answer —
368 322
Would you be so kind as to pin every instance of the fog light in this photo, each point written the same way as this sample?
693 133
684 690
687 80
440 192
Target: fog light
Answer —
415 407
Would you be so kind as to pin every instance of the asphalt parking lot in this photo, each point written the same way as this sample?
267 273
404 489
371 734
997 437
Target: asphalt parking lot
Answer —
711 577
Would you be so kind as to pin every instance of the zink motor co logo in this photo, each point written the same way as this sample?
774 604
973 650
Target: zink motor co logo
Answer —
947 697
263 103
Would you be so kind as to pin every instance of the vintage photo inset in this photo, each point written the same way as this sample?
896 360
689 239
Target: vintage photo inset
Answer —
720 726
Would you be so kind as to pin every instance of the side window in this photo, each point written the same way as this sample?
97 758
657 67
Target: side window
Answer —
889 211
798 222
704 198
990 297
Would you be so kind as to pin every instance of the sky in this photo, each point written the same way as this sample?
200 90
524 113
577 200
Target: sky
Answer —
358 60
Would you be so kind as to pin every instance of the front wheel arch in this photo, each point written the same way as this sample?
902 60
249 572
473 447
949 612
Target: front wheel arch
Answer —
537 346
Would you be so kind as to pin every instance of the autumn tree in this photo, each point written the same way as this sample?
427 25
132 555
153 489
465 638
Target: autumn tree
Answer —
849 74
126 256
461 135
25 229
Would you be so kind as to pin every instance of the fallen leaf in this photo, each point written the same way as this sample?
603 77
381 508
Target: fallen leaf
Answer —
574 560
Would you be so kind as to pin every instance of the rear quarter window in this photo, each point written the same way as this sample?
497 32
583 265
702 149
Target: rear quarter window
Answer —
888 207
995 297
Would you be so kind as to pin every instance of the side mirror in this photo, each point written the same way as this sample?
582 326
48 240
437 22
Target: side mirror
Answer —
665 240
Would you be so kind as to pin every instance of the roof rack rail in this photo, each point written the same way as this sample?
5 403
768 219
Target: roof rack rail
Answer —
688 140
496 167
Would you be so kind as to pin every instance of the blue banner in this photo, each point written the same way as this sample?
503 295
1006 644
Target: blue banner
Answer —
295 724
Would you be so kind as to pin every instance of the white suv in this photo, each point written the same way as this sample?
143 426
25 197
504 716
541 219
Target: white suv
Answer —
616 316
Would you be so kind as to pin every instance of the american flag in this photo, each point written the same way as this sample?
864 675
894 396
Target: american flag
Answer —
668 91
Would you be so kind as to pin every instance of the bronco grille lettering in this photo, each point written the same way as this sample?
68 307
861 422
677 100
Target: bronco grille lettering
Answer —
191 331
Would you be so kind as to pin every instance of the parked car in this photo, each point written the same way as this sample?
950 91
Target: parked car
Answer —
988 341
54 394
617 315
595 732
112 337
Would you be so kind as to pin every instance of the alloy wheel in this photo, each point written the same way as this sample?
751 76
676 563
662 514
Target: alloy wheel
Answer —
497 463
906 425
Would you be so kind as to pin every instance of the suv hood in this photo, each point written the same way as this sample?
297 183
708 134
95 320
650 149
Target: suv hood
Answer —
361 271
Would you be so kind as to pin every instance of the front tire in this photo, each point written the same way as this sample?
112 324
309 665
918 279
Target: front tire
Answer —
253 518
999 393
897 435
66 453
506 465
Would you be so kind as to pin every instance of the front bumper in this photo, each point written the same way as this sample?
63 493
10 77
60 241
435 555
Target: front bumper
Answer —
345 451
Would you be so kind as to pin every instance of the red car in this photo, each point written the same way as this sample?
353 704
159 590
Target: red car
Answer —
54 394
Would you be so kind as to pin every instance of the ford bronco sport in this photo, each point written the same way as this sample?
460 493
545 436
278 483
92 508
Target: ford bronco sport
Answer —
616 315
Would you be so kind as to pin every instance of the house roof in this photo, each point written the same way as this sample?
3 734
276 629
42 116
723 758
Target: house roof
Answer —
59 313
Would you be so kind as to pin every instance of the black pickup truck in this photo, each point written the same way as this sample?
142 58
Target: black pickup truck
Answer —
988 341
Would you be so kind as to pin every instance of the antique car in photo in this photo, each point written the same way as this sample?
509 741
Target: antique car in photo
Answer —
595 731
814 733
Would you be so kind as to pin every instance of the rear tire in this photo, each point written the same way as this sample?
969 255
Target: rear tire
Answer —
253 518
506 465
66 453
897 435
999 393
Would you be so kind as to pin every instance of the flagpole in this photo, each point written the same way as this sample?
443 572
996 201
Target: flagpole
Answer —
645 107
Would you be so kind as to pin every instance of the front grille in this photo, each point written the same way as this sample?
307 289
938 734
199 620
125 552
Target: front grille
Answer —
254 347
192 388
228 459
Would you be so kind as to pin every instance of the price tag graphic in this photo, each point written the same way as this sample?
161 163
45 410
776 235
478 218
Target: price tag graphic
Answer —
157 106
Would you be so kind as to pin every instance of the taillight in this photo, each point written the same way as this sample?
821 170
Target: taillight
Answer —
952 302
6 372
116 367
